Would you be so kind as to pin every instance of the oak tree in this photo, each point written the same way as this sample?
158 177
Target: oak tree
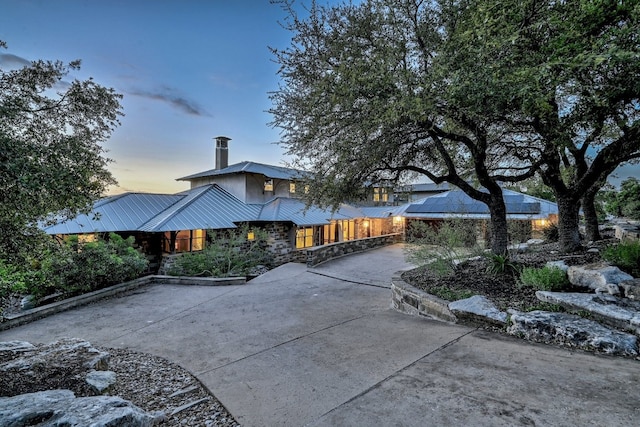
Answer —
51 153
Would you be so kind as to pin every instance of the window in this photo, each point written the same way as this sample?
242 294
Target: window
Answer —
292 187
304 237
380 194
268 185
186 240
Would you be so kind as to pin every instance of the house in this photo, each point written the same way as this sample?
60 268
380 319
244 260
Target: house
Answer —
224 198
268 197
527 216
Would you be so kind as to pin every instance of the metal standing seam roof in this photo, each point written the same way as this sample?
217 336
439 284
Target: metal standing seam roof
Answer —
295 210
270 171
456 203
124 212
206 207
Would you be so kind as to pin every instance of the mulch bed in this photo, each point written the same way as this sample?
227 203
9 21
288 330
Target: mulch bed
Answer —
502 289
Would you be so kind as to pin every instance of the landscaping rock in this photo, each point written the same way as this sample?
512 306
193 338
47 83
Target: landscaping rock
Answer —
478 308
558 264
15 346
57 408
18 360
617 312
572 331
630 289
597 276
100 381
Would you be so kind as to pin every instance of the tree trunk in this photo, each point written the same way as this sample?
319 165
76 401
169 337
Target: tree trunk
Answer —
499 230
592 229
568 223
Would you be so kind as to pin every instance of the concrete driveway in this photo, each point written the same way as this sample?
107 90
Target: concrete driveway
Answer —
323 347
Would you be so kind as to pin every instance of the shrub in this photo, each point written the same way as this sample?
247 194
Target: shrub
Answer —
625 255
231 254
501 264
545 278
84 267
441 245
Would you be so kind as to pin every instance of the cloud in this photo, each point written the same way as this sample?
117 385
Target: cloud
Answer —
13 61
169 96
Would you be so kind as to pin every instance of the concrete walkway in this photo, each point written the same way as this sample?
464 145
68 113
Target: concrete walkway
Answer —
296 347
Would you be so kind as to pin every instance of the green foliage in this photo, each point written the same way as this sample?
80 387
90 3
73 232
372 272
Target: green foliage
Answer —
230 254
626 201
51 158
74 267
545 278
501 264
83 267
441 244
476 90
625 255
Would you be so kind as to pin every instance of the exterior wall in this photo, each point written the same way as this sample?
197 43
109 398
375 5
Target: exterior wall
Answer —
320 254
281 242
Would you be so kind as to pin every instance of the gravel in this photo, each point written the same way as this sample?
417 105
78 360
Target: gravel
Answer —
152 383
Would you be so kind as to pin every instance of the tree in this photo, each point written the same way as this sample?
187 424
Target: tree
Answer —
626 201
51 158
375 91
574 81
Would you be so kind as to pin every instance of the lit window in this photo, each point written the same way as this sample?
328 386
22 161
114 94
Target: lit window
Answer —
304 237
268 185
251 235
380 194
292 187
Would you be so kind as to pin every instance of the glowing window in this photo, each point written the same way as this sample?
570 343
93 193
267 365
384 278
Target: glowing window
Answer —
304 237
292 187
268 185
380 194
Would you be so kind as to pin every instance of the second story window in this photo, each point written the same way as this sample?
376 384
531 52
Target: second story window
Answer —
268 185
292 187
380 194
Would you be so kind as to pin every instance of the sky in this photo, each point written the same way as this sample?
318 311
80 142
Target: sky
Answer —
189 71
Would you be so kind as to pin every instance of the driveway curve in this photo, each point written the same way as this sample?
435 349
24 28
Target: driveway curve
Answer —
322 347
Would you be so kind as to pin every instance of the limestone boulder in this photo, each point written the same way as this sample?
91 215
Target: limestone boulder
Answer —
26 368
598 276
478 308
58 408
630 289
572 331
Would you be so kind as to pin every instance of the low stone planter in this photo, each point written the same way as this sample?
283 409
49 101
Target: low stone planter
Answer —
410 300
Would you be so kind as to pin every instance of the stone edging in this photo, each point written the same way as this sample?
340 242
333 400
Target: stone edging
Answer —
411 300
27 316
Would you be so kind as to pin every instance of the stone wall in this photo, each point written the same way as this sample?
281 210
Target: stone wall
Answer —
627 231
280 243
320 254
411 300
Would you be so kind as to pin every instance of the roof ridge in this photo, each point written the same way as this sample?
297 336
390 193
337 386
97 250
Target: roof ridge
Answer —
184 201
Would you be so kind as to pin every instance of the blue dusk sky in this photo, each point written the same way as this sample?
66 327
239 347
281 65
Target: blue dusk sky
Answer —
189 71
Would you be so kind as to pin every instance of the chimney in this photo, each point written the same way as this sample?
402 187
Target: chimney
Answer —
222 152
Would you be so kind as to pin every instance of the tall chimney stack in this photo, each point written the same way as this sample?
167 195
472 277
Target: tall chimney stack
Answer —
222 152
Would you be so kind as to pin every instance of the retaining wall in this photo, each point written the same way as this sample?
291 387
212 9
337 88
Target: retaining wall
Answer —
320 254
411 300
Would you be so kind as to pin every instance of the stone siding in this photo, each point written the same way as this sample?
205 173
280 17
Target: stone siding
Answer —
320 254
281 243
